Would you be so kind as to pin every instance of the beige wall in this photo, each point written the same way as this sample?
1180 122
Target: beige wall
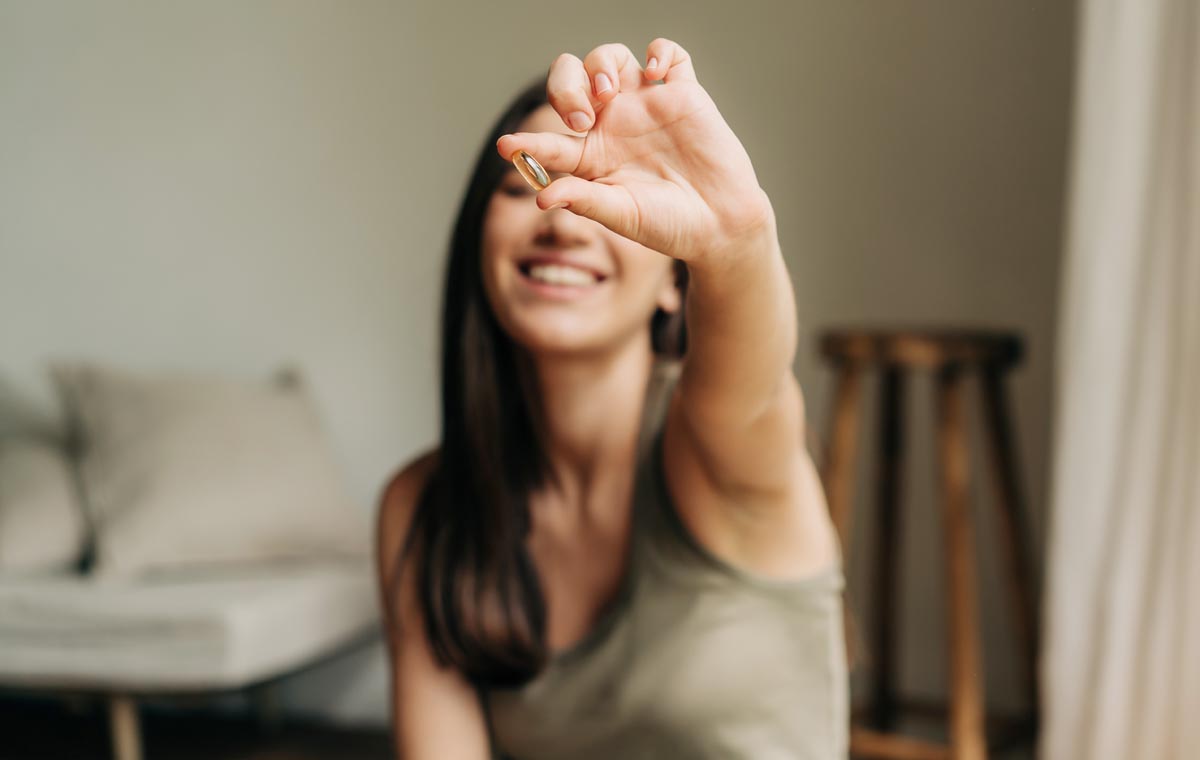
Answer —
227 186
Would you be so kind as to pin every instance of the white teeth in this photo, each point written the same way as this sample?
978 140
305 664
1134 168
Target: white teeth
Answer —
561 275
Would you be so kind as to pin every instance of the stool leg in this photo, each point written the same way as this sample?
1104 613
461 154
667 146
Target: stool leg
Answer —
887 546
1014 531
124 728
838 471
967 738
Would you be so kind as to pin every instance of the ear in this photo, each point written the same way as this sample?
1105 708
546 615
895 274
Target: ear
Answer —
669 298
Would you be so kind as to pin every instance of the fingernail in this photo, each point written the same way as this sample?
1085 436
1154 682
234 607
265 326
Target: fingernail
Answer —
603 83
579 121
652 63
560 204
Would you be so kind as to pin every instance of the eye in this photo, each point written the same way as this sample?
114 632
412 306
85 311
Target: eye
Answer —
515 190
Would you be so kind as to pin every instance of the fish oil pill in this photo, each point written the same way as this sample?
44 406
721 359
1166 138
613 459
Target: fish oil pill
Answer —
531 170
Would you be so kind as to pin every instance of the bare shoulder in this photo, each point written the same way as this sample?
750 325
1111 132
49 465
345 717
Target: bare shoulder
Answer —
397 503
399 497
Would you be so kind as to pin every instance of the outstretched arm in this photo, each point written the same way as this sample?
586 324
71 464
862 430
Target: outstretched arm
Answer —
658 164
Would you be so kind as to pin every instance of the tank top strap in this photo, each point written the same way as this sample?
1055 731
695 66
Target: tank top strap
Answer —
648 518
647 521
659 389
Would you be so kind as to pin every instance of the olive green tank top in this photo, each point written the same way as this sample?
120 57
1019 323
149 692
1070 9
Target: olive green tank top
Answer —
694 659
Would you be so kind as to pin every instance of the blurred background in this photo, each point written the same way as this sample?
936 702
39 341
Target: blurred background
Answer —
230 188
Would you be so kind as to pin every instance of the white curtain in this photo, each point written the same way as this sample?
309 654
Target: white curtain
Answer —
1121 666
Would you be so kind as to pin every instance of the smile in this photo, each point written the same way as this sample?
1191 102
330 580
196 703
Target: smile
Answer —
558 274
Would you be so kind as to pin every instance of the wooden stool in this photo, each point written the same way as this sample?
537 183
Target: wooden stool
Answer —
950 354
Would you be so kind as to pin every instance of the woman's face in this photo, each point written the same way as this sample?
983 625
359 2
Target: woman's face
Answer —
558 282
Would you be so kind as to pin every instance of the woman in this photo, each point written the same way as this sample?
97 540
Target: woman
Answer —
615 552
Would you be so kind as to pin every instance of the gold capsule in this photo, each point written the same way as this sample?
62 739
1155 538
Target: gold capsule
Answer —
531 170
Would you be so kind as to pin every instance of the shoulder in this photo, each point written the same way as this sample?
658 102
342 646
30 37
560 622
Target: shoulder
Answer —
406 484
397 504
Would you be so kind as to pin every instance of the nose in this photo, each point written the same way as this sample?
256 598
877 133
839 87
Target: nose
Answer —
558 226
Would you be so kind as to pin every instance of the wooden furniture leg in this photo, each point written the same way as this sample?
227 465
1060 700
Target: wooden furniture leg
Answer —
838 475
967 731
1014 533
123 724
267 708
887 547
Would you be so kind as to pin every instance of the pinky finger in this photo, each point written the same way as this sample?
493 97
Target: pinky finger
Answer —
668 61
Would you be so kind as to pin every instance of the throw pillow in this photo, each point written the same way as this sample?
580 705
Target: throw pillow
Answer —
42 526
181 470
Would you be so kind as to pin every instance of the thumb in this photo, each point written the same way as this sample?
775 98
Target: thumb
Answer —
611 205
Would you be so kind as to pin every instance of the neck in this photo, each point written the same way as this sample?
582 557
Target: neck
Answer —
592 412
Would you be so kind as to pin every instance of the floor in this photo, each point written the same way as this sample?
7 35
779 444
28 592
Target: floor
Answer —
47 730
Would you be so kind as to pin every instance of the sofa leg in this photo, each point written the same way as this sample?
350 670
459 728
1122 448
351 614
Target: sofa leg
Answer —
123 725
267 708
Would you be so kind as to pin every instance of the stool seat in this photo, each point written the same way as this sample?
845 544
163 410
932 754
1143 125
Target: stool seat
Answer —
927 347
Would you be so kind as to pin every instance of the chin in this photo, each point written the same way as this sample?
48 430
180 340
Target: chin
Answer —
543 342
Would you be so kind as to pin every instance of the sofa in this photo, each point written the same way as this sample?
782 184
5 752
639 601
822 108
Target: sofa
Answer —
184 535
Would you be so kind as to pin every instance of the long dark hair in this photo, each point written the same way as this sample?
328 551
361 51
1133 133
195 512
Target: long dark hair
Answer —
478 589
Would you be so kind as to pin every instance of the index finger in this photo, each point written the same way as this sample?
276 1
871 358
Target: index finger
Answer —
555 151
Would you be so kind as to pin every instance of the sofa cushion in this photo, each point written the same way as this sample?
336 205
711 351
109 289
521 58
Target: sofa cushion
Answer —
187 470
42 526
177 634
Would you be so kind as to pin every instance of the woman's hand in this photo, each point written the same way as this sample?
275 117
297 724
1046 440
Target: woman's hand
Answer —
658 164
